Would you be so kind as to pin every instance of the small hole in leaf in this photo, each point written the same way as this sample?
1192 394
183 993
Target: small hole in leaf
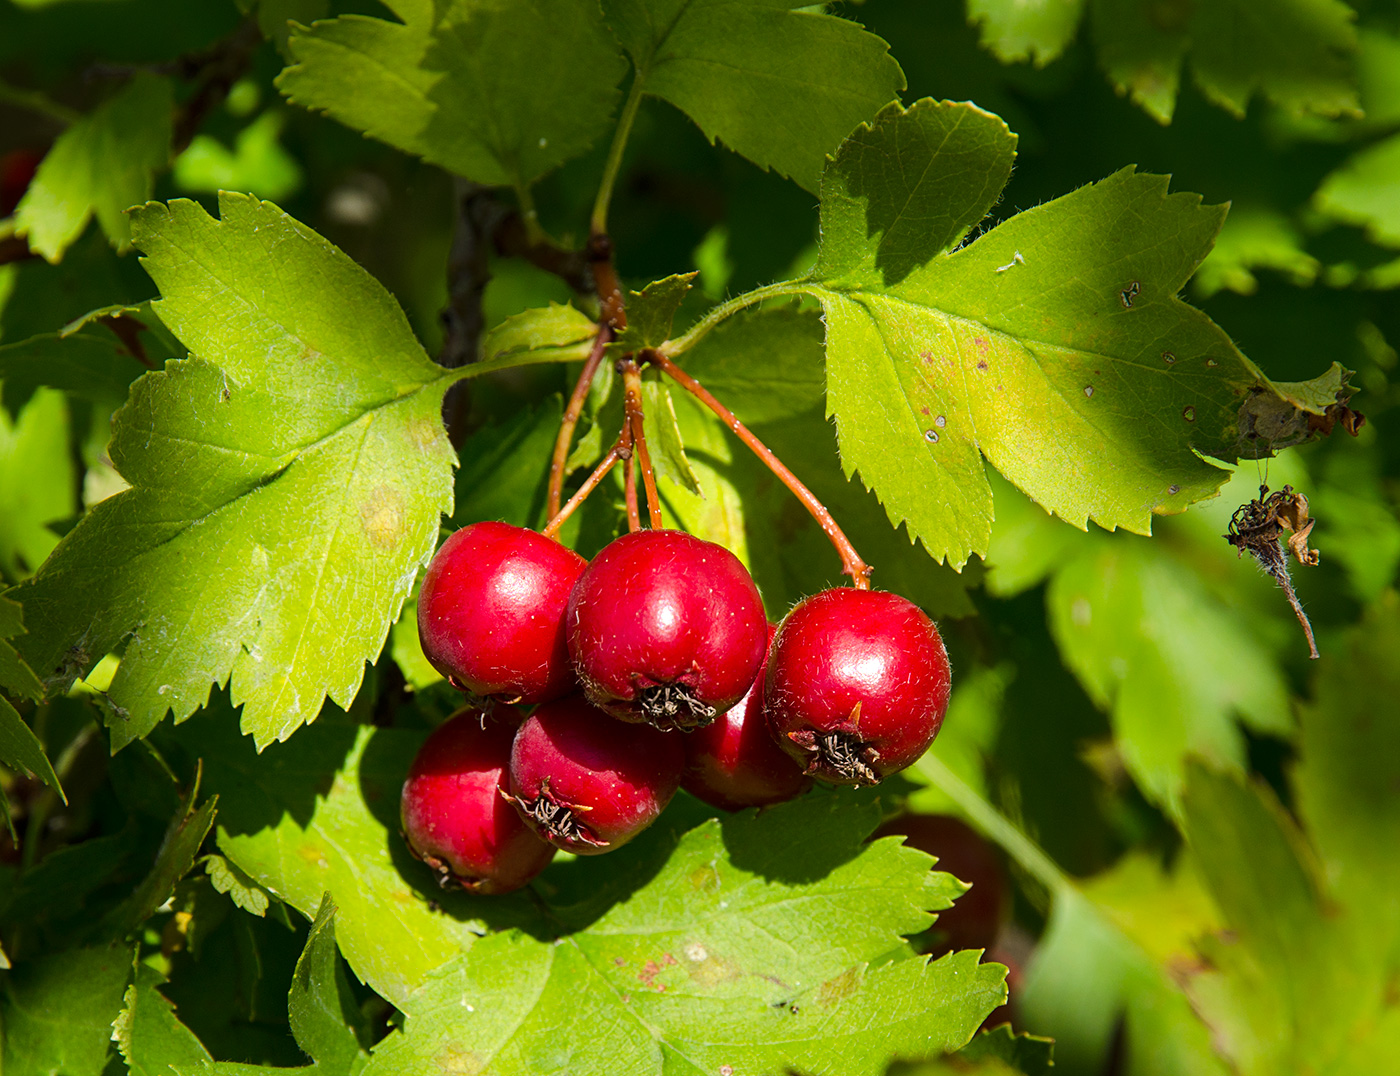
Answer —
931 436
1188 413
940 422
1173 489
1212 362
1168 357
1088 390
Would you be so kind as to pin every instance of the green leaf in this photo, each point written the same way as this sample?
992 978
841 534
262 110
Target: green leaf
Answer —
257 164
559 329
151 1038
664 437
757 967
1172 665
174 859
58 1010
768 366
407 650
276 18
1028 1054
1345 781
504 473
781 87
1037 30
1365 191
967 738
1300 54
36 482
91 366
213 558
229 878
1054 344
321 1006
541 82
651 311
1254 237
16 676
103 164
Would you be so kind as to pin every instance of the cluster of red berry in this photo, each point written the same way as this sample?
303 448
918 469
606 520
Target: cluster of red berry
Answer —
651 668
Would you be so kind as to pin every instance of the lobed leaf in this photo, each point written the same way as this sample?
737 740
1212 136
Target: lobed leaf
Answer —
1365 191
321 1007
151 1038
1037 30
101 165
1053 344
781 87
287 483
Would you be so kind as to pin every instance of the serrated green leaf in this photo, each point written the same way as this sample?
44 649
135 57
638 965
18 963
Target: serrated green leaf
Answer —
21 750
103 164
228 878
91 366
1054 345
651 311
213 557
1254 237
275 19
36 482
16 676
1028 1054
56 889
1170 664
149 1035
257 164
768 366
756 966
175 857
1299 54
1365 191
321 1006
664 438
1037 30
498 91
556 326
781 87
58 1011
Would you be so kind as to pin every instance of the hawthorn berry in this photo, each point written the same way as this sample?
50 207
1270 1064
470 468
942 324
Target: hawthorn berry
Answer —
666 628
453 815
733 762
586 784
491 612
857 684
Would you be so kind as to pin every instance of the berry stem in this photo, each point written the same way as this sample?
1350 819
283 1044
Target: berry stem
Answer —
629 485
851 562
551 529
569 422
632 402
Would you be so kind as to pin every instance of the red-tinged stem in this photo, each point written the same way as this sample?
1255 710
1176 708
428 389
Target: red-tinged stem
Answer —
632 401
569 422
600 252
851 562
629 485
551 529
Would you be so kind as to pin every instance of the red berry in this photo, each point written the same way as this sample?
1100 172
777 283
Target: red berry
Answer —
491 612
585 783
667 628
453 815
733 762
857 684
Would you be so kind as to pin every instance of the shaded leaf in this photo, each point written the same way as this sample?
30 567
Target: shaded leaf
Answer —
36 482
1365 191
90 365
664 437
58 1010
781 87
102 165
229 878
1038 30
1254 237
1028 1054
151 1038
651 311
321 1007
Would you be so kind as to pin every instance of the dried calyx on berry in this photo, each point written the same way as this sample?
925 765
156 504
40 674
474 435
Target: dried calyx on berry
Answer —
451 811
857 684
584 783
666 628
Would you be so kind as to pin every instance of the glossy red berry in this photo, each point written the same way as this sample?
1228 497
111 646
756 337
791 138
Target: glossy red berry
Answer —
491 612
453 815
667 628
733 762
857 684
586 783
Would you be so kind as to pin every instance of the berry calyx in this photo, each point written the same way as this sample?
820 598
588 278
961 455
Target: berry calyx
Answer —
857 684
734 763
585 784
491 613
666 628
452 812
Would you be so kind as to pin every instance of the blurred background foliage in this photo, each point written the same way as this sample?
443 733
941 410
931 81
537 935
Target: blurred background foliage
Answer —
1182 829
